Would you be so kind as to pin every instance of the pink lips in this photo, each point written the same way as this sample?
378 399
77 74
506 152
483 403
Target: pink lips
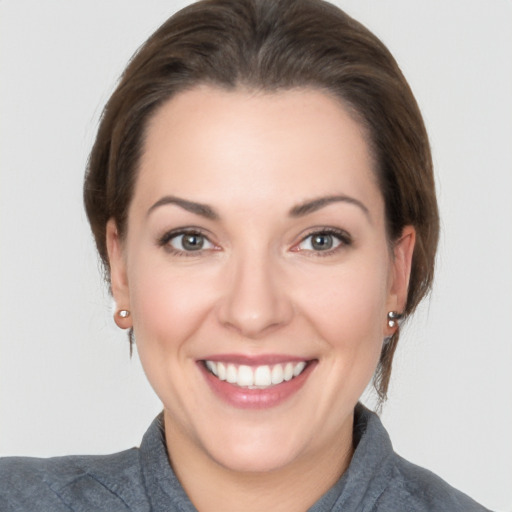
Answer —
259 398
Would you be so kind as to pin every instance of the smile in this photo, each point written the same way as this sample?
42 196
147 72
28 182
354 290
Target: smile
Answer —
255 377
246 383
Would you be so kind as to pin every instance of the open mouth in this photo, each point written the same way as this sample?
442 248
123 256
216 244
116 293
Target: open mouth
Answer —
255 377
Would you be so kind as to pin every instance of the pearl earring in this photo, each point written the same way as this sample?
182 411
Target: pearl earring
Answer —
123 313
393 317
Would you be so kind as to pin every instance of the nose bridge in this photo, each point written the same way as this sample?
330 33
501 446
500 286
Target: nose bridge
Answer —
255 300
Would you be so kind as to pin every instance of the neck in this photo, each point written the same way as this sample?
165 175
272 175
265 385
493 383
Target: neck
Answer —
296 487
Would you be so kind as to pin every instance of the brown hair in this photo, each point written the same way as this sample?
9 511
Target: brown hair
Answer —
273 45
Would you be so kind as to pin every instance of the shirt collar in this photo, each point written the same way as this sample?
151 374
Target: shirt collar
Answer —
364 481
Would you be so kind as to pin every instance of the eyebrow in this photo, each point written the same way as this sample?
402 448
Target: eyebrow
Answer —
300 210
316 204
198 208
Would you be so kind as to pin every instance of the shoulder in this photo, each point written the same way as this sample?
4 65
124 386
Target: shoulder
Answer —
386 482
104 482
414 488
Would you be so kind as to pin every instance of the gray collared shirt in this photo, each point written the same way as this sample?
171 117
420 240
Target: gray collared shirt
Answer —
142 480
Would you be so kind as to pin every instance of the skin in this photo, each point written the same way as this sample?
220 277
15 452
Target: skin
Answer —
258 286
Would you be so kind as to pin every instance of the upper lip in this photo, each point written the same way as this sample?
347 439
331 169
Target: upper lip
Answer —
255 360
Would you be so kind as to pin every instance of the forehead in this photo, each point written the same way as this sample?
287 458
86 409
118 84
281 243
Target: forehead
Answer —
219 146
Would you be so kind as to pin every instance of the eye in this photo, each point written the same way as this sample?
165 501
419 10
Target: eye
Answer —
324 241
186 242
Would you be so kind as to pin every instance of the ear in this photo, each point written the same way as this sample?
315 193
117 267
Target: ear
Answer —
403 250
118 275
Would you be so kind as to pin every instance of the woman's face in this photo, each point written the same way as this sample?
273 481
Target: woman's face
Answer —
258 273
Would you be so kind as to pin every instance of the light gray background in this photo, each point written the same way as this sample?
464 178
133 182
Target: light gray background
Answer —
67 384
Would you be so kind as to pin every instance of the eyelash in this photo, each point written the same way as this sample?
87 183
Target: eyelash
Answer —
344 238
164 240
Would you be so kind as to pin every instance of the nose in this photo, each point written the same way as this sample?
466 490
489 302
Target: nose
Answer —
255 301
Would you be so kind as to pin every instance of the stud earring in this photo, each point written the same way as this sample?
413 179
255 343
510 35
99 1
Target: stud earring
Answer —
123 313
393 317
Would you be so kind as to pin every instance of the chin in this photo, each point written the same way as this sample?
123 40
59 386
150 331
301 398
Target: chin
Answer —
253 461
256 450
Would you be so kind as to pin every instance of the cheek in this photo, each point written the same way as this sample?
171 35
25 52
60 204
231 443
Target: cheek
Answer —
348 305
168 305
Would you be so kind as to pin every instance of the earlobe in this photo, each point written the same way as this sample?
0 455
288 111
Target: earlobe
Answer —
402 262
118 276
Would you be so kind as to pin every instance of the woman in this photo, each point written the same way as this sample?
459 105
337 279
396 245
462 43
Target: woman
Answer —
261 194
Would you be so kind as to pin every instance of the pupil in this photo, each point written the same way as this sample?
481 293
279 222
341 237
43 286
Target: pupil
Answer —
322 242
192 242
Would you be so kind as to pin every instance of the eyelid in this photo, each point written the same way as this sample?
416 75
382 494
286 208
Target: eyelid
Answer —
163 240
343 236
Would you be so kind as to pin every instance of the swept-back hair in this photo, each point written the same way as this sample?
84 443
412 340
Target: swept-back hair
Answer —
273 45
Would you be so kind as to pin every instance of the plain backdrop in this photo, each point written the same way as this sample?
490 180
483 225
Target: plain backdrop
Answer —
67 384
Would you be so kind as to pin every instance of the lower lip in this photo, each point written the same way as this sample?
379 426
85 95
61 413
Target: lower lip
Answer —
245 398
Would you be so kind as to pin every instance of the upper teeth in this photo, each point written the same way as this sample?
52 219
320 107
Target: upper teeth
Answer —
255 376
